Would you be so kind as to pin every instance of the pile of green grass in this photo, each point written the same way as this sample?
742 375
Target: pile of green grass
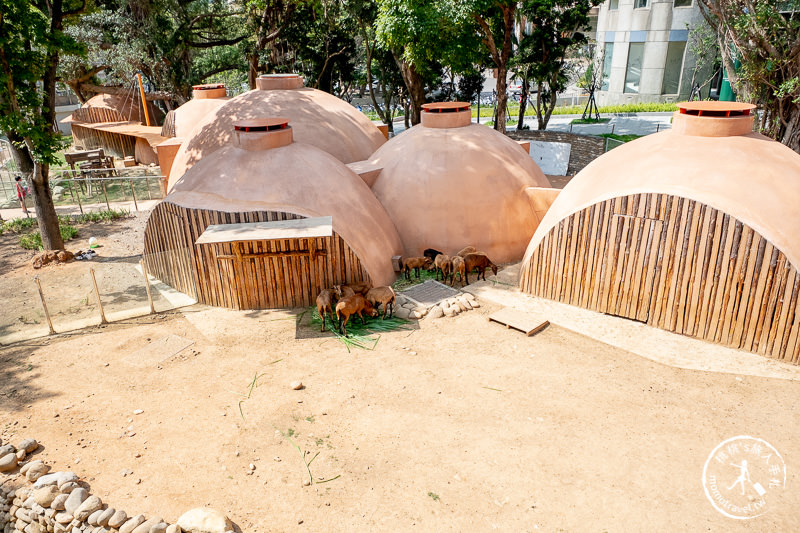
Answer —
359 335
402 284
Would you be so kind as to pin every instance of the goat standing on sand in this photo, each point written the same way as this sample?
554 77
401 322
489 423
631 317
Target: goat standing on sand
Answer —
479 261
382 296
443 264
353 305
457 268
325 304
415 263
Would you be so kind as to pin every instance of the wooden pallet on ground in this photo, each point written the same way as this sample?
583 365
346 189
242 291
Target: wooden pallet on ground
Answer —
524 322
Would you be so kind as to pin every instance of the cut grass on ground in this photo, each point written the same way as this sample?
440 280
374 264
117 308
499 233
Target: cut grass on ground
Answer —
364 336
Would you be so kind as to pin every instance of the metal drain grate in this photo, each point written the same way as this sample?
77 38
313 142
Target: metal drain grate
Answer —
429 293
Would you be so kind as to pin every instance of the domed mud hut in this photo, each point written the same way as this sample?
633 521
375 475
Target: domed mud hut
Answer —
206 98
693 230
318 118
267 223
448 183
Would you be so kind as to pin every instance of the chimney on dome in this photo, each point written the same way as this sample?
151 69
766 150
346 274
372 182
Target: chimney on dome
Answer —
272 82
209 90
446 115
713 119
262 133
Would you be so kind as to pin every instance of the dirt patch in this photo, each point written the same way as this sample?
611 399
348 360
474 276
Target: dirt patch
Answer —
459 425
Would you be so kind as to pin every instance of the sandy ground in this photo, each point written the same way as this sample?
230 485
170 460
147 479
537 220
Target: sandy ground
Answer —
454 425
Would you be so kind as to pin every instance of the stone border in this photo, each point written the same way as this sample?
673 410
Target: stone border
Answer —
585 148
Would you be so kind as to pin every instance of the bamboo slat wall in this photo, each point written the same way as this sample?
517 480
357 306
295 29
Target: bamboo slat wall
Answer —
676 264
113 143
98 114
257 280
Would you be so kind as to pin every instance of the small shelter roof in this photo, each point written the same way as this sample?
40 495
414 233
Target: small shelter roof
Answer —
302 228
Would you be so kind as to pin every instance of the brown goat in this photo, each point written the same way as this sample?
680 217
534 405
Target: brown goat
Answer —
443 264
458 268
342 290
415 263
353 305
479 261
467 250
360 287
325 304
382 296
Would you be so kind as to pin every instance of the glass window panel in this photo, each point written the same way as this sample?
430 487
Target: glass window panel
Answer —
673 67
613 4
640 4
683 3
633 71
608 55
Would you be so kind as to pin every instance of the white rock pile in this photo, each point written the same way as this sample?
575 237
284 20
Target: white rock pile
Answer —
463 301
33 500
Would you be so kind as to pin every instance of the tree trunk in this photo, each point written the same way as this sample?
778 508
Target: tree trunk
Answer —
416 89
45 210
502 99
523 103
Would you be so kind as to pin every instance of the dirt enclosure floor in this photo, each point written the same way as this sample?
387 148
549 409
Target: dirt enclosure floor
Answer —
457 424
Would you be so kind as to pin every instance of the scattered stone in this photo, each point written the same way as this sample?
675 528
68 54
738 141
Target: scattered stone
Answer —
474 304
105 516
117 519
35 470
435 312
203 520
469 296
76 497
131 524
161 527
63 518
252 466
89 505
45 495
296 385
68 487
306 483
464 302
138 411
401 312
277 459
94 518
21 455
29 445
8 462
56 478
7 448
145 526
448 311
174 528
58 502
412 353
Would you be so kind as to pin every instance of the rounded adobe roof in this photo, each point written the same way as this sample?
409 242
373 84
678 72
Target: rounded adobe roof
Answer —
750 177
447 188
297 178
189 114
318 118
127 105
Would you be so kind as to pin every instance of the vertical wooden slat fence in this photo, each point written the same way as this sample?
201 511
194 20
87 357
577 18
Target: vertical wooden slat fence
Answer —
263 282
676 264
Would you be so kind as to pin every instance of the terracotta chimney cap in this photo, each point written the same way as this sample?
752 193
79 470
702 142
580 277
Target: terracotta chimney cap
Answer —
262 133
261 124
446 115
445 107
208 91
271 82
713 119
715 108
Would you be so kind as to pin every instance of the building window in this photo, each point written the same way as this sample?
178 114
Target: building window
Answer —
673 67
683 3
633 71
639 4
613 4
608 55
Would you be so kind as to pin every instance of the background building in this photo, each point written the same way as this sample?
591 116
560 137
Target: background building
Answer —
644 52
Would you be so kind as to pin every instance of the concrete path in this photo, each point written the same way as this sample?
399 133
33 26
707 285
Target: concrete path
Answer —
144 205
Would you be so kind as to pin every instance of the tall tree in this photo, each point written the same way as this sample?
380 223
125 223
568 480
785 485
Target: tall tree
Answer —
556 31
31 41
763 36
495 22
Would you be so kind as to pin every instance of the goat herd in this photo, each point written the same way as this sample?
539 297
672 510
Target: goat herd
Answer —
360 298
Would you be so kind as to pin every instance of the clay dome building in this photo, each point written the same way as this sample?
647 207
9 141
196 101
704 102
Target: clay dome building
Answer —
205 99
318 118
693 230
448 183
266 222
